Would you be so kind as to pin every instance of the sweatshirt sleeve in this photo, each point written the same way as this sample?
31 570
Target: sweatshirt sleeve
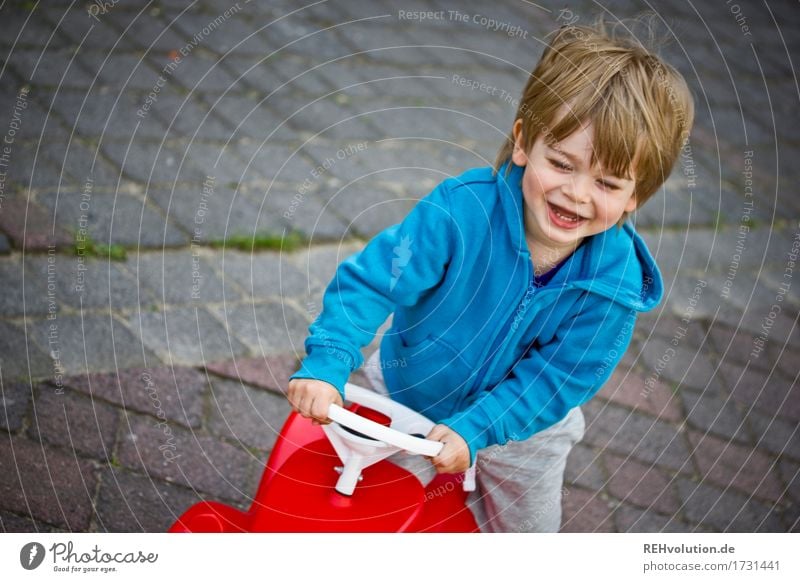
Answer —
395 268
550 379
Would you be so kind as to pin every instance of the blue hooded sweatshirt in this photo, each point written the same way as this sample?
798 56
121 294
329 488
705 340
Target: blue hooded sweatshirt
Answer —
474 344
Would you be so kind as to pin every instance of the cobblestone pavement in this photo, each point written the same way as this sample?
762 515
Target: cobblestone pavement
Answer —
152 132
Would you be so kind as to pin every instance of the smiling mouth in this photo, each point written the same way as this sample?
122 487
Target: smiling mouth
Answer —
565 215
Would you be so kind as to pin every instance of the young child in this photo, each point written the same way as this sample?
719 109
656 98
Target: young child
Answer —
515 289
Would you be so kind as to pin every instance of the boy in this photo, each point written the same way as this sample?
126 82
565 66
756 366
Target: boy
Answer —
515 289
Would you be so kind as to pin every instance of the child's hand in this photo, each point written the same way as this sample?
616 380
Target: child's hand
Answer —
454 456
312 398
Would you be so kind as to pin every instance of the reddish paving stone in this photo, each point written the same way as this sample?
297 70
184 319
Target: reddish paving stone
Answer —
790 473
641 484
181 456
726 510
734 346
240 413
584 468
627 388
269 372
74 422
618 429
631 519
129 502
30 225
175 393
46 484
585 511
745 468
14 400
772 393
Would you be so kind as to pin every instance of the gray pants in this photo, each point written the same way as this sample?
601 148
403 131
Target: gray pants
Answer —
519 484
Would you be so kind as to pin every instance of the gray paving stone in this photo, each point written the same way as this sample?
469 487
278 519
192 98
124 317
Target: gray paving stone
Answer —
148 162
325 118
199 72
14 398
305 213
772 393
148 30
129 502
15 280
270 162
74 423
252 118
31 226
119 219
230 36
212 160
50 486
199 462
76 25
776 435
13 523
270 372
264 274
369 209
179 277
98 342
726 510
216 216
717 414
81 282
5 245
186 117
268 328
243 414
679 364
53 67
122 71
262 73
20 357
584 468
647 439
321 261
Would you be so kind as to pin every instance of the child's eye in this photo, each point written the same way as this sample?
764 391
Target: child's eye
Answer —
560 165
607 185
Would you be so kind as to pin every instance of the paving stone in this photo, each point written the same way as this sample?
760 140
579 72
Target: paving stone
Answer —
680 364
15 280
631 519
726 511
369 209
176 455
316 220
82 165
641 484
53 66
790 473
321 261
267 73
77 25
649 440
106 112
586 512
728 464
79 282
122 71
774 434
246 415
734 346
20 357
181 276
186 336
627 388
14 397
114 219
233 35
216 216
30 226
148 162
173 393
29 28
267 328
73 422
325 118
770 392
186 117
263 274
717 414
5 246
12 523
129 502
198 72
251 117
150 31
46 484
585 468
269 372
97 341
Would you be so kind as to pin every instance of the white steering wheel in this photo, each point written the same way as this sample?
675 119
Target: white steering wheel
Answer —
372 442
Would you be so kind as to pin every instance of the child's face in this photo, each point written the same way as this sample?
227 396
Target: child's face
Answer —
560 175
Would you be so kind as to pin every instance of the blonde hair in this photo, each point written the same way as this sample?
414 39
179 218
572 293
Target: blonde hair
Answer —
640 107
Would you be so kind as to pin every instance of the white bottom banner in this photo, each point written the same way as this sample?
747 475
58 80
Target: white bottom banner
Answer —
357 557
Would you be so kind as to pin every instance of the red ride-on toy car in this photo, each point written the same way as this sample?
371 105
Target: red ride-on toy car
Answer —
336 478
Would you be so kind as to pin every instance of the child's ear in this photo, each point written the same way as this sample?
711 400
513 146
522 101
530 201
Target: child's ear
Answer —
519 156
631 205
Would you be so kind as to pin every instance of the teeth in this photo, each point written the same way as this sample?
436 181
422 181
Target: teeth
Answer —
567 218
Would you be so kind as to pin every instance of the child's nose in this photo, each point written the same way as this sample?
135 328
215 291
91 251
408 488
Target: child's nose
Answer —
578 189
